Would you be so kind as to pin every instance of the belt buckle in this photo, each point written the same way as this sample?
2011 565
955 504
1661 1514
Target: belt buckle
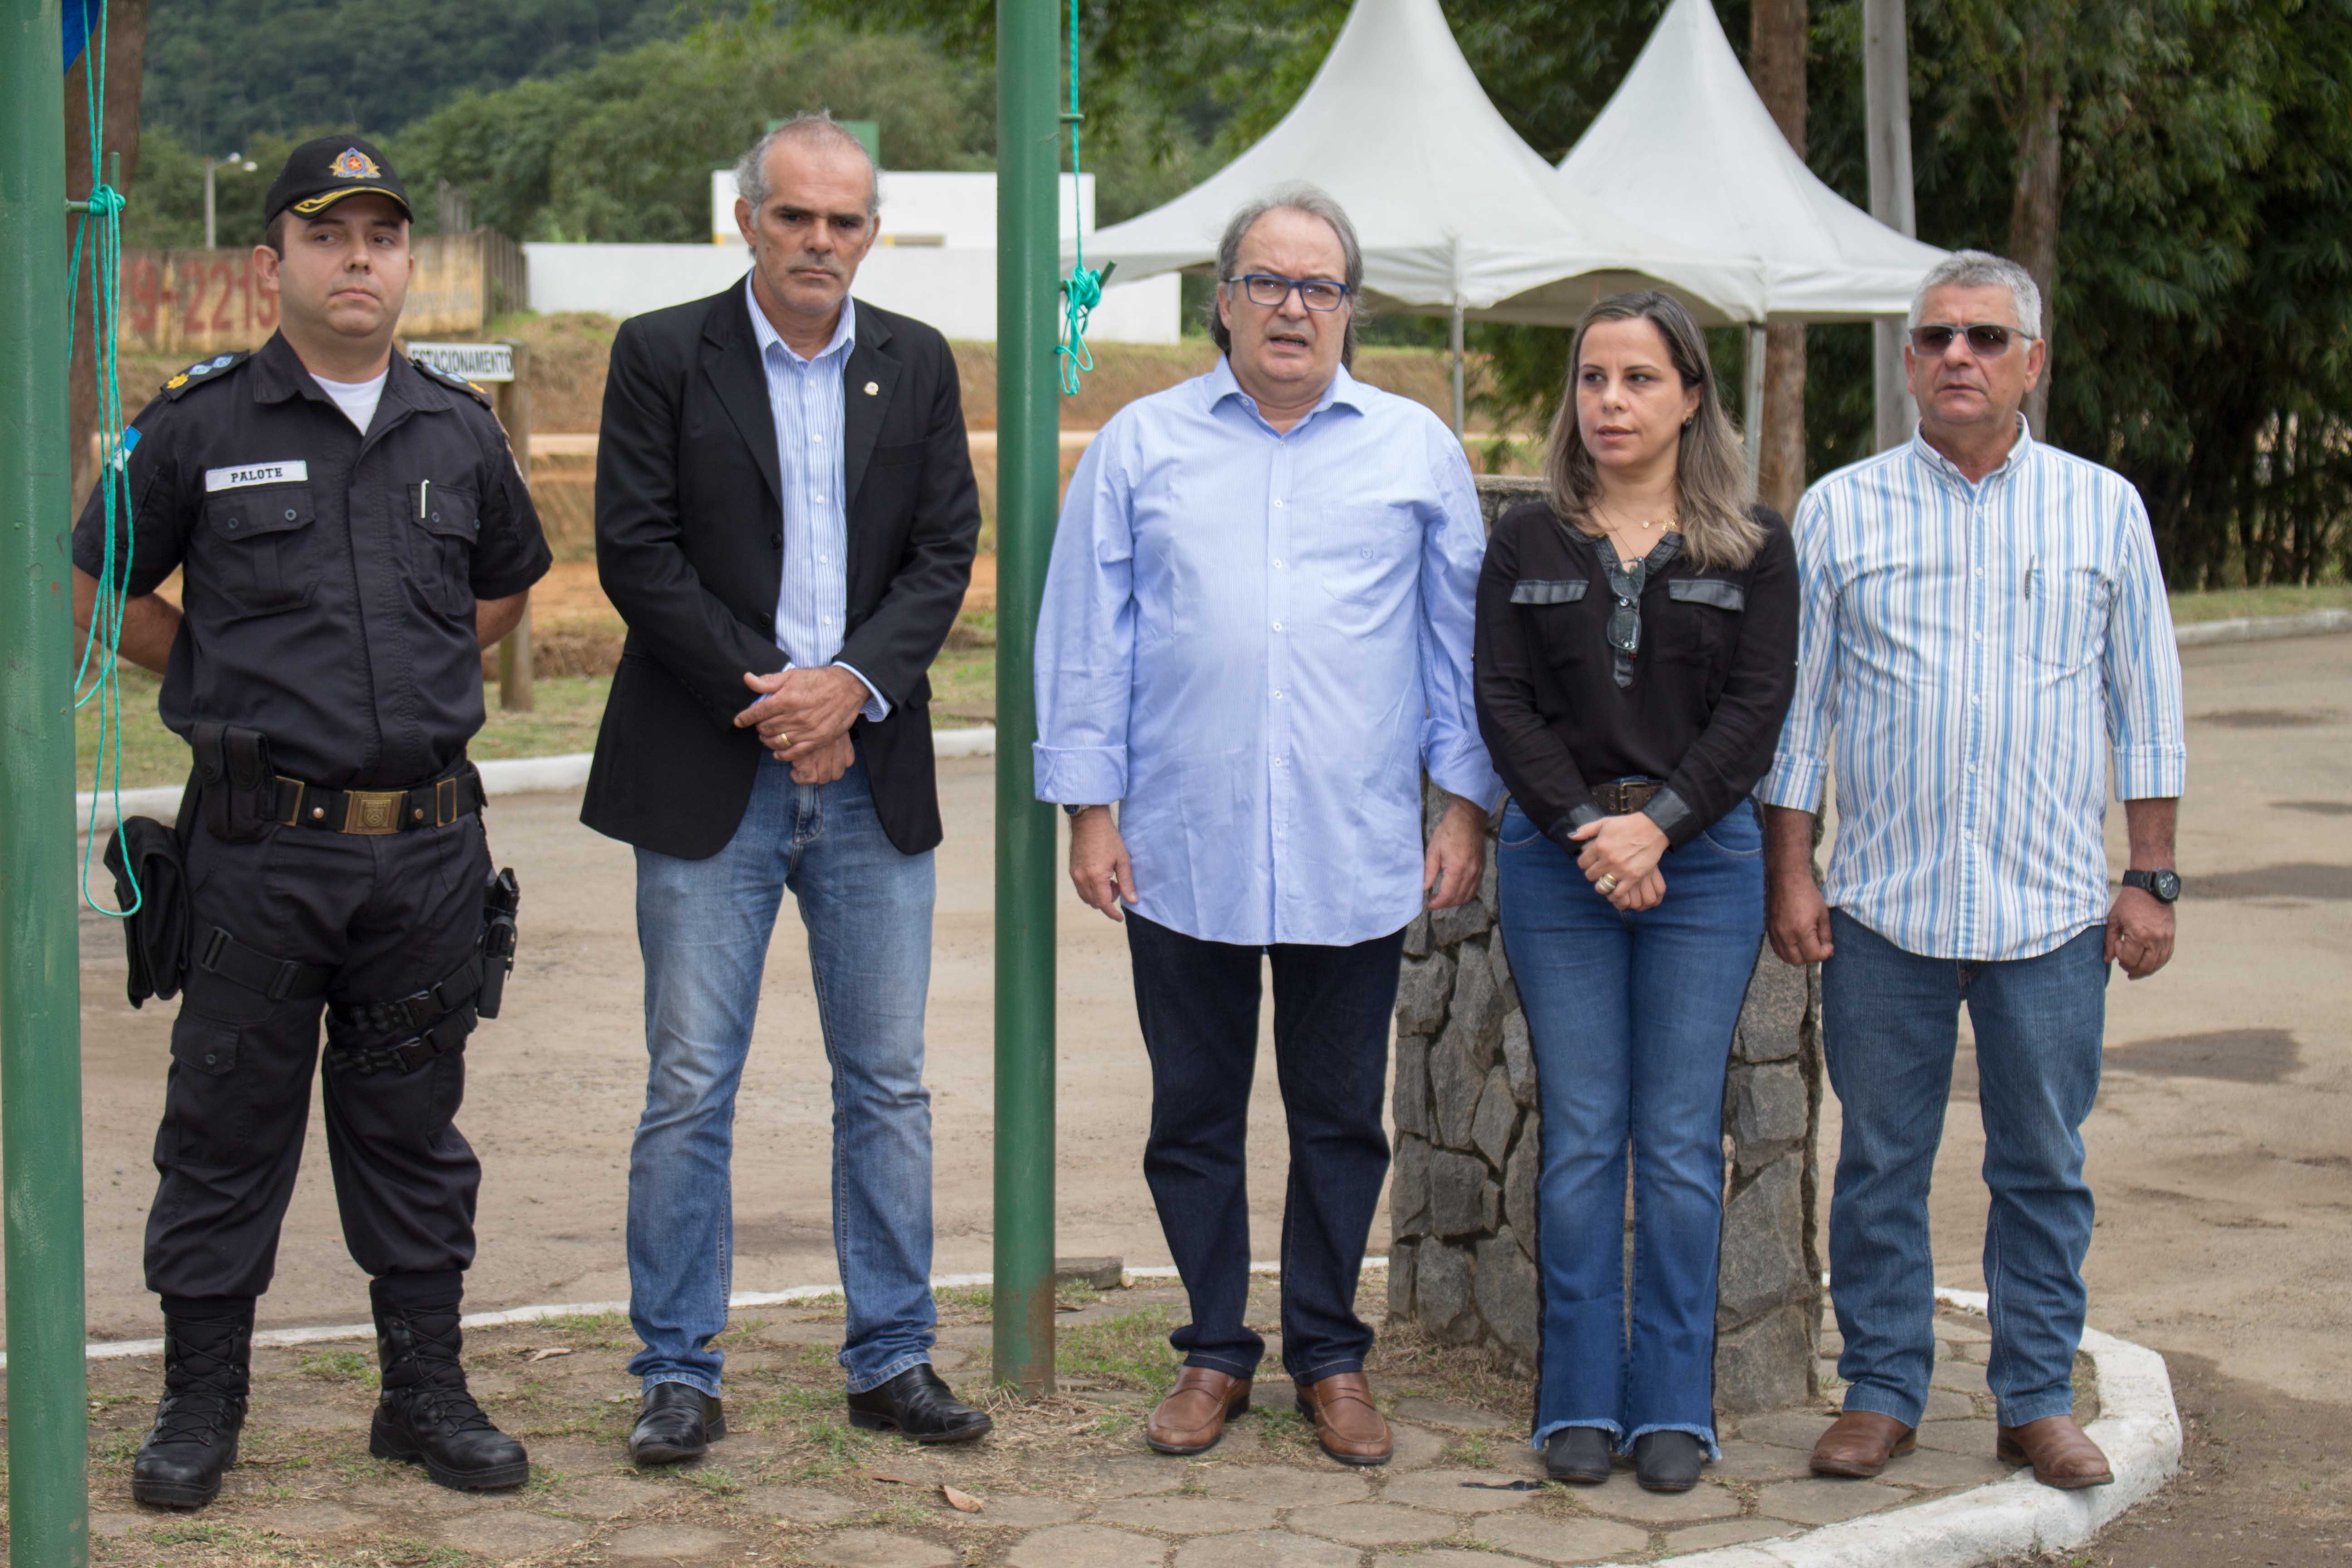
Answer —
372 812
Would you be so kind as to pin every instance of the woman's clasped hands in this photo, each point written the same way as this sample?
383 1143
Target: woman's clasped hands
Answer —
1627 849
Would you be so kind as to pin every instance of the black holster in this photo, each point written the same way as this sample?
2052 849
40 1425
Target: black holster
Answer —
502 897
233 777
150 879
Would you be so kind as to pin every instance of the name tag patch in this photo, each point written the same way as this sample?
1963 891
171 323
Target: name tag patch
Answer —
294 473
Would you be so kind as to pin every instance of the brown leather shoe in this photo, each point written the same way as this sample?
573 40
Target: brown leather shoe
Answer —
2059 1451
1193 1416
1859 1443
1346 1423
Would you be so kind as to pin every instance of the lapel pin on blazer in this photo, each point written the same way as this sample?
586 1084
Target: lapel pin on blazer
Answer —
873 389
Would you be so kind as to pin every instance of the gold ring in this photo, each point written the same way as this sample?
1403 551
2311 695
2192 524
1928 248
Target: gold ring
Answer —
1607 885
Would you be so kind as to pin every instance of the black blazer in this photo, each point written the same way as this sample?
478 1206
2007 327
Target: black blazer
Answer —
689 548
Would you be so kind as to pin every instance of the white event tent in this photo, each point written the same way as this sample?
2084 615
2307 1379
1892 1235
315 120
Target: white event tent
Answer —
1686 149
1455 213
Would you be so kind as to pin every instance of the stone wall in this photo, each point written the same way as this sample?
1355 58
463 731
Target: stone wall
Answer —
1462 1203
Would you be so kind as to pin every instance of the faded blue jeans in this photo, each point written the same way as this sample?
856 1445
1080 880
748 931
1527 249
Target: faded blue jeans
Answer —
1890 1024
703 927
1631 1016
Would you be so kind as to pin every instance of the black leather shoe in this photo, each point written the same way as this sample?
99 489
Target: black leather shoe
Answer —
678 1421
1667 1461
917 1405
425 1415
1579 1454
207 1371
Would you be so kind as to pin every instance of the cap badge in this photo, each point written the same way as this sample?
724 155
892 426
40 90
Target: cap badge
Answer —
354 164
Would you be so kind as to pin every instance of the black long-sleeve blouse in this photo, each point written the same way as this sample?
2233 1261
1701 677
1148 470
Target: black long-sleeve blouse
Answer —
1697 701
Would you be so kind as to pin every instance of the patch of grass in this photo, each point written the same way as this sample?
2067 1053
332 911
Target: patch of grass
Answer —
2229 604
595 1330
1469 1454
718 1480
344 1366
1130 1351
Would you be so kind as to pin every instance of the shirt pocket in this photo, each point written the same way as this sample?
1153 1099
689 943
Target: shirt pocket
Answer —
260 550
1702 620
1562 633
2065 617
1360 554
445 523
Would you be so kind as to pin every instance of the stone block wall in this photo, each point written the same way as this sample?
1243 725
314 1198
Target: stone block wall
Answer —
1462 1202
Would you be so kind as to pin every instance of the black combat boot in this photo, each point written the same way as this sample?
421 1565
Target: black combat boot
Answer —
207 1371
425 1415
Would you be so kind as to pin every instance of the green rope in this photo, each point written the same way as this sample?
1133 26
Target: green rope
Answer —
1082 290
96 679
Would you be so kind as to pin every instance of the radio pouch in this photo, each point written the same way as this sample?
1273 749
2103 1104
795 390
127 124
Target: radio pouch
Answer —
239 786
157 930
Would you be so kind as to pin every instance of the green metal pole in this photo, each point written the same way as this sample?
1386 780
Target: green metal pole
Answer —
1028 417
40 997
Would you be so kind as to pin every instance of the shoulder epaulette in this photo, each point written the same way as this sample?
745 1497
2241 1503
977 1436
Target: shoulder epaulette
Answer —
202 371
452 379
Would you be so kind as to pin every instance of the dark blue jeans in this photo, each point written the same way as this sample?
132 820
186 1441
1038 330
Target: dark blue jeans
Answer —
1890 1023
1198 1004
1631 1016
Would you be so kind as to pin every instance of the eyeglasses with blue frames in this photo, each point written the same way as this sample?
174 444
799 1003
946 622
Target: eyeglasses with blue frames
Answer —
1987 340
1268 291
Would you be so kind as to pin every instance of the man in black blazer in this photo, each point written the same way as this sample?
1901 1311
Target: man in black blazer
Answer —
785 518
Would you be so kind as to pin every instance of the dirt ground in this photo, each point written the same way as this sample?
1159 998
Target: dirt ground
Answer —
2219 1149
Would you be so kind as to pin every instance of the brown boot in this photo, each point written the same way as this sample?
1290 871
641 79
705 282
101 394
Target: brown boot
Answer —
1346 1423
1859 1443
1193 1416
2059 1451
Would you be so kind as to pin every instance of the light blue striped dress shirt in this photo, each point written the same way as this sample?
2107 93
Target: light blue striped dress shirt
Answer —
1256 641
1972 657
807 402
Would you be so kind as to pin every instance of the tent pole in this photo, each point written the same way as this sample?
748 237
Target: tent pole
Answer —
1458 414
1886 118
1753 393
1028 404
40 1002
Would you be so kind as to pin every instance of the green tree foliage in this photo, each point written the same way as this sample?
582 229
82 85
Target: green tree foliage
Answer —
222 72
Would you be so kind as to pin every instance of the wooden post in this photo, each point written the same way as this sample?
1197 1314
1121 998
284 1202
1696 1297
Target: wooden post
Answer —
514 653
1887 114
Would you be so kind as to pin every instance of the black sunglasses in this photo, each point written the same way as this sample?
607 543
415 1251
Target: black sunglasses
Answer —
1987 340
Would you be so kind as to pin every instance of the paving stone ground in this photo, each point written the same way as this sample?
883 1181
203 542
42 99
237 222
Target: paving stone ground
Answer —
1062 1482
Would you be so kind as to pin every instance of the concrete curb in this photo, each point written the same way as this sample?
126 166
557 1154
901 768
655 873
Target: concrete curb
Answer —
514 776
2137 1425
110 1349
2263 629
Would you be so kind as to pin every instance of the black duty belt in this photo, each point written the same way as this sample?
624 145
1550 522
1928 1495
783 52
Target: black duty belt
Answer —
1622 797
378 811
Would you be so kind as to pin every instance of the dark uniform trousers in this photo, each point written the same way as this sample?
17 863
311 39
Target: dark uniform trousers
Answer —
390 916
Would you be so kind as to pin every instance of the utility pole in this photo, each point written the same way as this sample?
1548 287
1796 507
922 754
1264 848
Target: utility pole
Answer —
40 989
210 163
1886 120
1028 420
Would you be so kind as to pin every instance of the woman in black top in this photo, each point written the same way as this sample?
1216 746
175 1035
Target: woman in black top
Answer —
1637 649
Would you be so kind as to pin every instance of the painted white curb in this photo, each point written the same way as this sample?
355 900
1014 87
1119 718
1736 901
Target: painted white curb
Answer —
110 1350
512 775
2138 1427
2262 628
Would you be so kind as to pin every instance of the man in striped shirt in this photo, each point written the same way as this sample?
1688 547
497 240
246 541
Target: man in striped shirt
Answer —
1984 628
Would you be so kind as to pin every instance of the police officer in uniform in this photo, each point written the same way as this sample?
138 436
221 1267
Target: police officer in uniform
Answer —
352 532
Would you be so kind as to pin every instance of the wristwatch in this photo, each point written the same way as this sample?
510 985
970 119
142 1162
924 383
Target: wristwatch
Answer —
2163 885
1069 810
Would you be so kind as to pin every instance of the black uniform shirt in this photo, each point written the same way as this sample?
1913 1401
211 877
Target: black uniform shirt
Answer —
1699 703
331 579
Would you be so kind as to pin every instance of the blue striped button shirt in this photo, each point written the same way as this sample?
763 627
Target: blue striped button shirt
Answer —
806 400
1972 656
1256 640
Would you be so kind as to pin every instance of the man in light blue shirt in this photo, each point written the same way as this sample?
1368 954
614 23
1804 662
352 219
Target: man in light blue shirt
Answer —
1984 630
1255 637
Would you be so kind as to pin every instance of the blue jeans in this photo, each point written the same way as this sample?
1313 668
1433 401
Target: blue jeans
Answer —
1890 1024
1631 1016
703 926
